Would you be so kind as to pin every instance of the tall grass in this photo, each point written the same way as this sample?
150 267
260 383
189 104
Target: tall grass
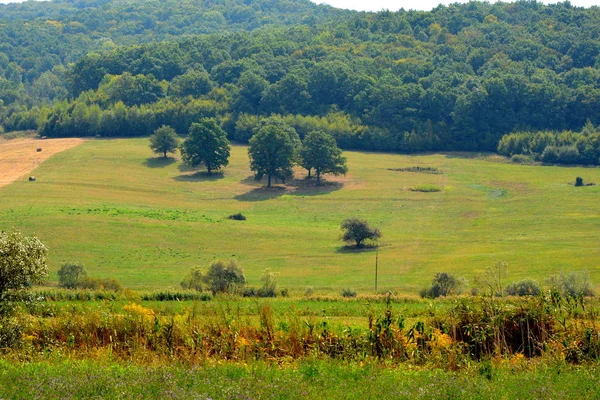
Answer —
544 326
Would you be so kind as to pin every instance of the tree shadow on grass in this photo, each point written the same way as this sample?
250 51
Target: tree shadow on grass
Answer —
159 162
309 187
201 176
350 249
262 194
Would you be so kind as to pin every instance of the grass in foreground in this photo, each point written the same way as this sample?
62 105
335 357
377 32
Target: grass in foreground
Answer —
309 379
144 221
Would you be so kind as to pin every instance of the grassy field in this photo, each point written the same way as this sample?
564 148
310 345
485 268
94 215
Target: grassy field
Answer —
145 221
311 379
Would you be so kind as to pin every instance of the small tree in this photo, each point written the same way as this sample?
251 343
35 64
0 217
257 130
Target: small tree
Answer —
579 181
193 279
206 144
271 153
70 275
22 261
492 279
225 277
358 230
269 287
164 140
320 152
444 284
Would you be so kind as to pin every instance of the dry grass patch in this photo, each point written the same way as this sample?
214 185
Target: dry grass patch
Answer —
20 156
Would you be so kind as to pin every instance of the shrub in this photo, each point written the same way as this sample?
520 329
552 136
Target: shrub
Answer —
560 155
426 188
193 279
22 261
269 287
70 275
526 287
237 217
99 284
521 159
579 181
225 277
309 291
348 292
575 284
443 284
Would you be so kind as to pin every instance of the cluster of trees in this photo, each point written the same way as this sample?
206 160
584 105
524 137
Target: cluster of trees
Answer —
455 78
228 277
274 149
554 147
574 285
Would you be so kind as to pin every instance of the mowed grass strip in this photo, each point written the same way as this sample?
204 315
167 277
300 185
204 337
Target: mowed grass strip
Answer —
145 221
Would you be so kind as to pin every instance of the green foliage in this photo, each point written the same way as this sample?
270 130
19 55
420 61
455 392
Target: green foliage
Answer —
320 152
521 159
358 230
237 217
70 275
553 148
348 292
206 144
164 140
109 284
579 181
426 188
272 153
22 261
443 284
573 284
269 286
193 280
225 277
492 278
526 287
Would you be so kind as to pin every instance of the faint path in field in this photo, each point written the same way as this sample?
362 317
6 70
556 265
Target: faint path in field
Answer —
18 157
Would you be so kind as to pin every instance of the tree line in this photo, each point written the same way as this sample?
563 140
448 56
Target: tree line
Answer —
456 78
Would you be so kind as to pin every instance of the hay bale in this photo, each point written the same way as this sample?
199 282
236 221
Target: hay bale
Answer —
39 149
32 179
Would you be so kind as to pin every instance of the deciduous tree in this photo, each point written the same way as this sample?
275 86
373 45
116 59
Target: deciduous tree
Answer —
320 152
206 144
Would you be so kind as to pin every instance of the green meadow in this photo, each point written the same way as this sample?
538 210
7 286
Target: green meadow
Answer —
145 221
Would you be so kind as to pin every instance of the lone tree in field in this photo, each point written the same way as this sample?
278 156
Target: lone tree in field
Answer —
206 144
70 275
164 140
320 151
22 261
272 154
358 230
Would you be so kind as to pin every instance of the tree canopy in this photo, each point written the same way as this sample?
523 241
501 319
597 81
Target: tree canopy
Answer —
22 261
320 152
206 144
358 230
164 140
456 78
272 154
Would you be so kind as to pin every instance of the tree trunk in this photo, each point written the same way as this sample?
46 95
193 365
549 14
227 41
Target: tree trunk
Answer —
165 154
309 171
268 181
318 172
208 168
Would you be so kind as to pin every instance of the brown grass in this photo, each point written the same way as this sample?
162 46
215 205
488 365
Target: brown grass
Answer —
20 156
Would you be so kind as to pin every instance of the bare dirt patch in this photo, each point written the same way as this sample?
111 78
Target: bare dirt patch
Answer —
18 157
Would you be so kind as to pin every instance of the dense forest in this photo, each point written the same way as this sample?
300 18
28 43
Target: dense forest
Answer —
456 78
